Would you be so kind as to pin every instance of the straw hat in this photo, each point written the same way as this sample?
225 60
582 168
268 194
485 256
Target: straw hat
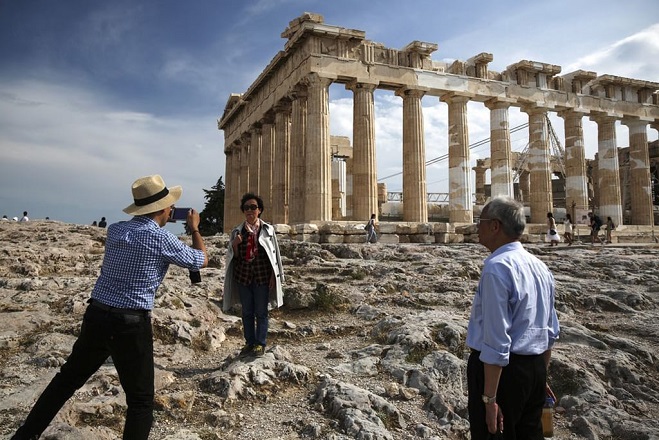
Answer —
150 195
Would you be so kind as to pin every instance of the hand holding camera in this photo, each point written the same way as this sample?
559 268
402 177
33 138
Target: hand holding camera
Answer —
192 220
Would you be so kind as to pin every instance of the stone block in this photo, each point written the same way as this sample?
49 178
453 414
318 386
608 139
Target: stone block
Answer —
282 229
332 238
387 228
422 238
310 238
354 238
305 228
442 227
403 238
388 239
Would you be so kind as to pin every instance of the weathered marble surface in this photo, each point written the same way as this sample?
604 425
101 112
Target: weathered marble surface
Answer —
369 345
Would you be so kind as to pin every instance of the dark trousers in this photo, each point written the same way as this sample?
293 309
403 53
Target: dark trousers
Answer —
520 396
254 303
128 338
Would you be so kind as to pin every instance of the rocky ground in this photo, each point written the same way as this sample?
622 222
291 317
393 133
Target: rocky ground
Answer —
369 345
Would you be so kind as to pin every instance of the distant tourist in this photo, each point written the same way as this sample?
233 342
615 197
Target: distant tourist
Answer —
595 226
552 233
569 237
117 322
25 218
15 219
371 236
610 226
94 223
4 217
102 223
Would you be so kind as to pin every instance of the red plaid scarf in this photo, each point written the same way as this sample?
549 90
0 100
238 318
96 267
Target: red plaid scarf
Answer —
252 240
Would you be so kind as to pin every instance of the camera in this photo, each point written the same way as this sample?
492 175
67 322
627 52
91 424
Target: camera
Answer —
179 214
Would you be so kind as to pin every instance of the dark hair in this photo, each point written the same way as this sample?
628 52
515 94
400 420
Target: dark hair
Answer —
372 215
569 217
549 215
250 196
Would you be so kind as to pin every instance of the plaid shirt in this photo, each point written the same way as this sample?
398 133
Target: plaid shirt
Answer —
258 271
137 255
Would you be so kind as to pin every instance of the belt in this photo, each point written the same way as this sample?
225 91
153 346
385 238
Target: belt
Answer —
105 307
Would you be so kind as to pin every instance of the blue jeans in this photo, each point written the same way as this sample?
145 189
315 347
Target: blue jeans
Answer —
254 302
128 338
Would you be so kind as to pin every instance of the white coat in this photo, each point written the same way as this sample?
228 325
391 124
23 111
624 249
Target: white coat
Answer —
267 239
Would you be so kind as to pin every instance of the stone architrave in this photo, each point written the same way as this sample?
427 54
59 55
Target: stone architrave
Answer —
255 160
364 177
639 169
267 154
460 201
608 181
576 179
541 199
318 194
281 163
298 154
501 177
415 204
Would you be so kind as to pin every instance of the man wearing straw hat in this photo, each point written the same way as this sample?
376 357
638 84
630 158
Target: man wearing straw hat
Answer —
117 321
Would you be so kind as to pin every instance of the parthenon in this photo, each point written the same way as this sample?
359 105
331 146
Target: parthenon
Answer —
277 141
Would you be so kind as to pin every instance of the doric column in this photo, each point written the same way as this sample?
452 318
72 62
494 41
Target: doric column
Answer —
255 160
639 170
318 195
281 163
415 204
298 154
267 154
365 185
501 177
480 171
460 202
231 184
608 169
541 199
245 177
576 179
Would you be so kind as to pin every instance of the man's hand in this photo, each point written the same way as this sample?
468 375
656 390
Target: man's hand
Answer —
193 220
493 418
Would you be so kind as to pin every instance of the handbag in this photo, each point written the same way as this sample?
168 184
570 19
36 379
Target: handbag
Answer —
552 232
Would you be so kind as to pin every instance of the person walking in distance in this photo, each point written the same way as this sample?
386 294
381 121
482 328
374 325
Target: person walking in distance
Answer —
371 236
117 322
512 328
568 234
254 274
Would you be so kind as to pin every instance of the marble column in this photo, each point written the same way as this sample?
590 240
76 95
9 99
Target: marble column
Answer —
576 179
245 176
415 198
232 183
639 170
281 163
460 201
365 185
541 200
298 155
255 160
480 171
267 154
501 177
318 194
610 204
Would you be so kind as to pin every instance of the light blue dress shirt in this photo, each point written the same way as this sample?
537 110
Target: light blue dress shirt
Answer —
513 309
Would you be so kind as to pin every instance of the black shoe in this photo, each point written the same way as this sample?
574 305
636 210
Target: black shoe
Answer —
246 351
258 350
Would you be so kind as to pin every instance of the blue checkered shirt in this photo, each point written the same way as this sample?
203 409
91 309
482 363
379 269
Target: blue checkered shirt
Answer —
137 255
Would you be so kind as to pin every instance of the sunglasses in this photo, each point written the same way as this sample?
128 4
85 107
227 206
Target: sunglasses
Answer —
250 207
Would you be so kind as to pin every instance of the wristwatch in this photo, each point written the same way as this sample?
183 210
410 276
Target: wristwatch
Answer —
488 400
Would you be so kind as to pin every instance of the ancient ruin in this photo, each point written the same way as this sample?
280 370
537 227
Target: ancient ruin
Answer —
277 140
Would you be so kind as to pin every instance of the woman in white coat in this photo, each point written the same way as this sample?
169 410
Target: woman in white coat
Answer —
254 274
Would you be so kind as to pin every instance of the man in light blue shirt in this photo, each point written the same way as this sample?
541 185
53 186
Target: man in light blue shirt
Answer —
511 331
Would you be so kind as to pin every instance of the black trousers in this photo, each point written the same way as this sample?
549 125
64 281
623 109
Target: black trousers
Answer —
128 338
520 396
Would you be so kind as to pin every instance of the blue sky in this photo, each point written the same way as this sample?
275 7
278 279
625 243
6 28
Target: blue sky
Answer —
94 94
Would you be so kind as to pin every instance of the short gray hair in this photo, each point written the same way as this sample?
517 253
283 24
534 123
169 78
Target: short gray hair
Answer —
510 213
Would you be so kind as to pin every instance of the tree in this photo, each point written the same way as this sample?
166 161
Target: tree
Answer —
212 217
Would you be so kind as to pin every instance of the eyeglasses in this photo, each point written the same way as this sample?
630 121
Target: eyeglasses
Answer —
250 207
485 220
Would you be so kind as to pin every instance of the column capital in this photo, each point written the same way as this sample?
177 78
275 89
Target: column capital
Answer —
452 98
355 85
268 118
283 106
406 91
255 129
534 109
314 79
499 103
630 121
600 117
573 112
